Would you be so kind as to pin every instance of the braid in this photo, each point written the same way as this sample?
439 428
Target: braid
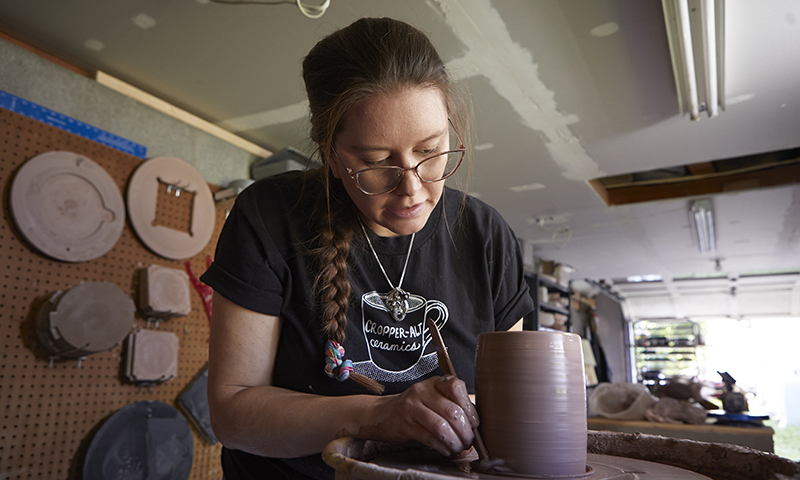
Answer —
331 284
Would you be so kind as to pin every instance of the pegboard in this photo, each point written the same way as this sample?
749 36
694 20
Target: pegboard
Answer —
51 413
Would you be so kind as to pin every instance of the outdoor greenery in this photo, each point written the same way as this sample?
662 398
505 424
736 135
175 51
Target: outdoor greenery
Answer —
787 441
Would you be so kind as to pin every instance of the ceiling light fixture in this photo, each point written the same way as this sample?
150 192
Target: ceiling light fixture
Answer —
701 222
696 36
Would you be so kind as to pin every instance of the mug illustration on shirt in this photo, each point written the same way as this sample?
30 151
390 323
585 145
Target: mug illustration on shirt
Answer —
397 349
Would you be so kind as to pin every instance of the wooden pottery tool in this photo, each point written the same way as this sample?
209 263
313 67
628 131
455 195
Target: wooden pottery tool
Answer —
484 463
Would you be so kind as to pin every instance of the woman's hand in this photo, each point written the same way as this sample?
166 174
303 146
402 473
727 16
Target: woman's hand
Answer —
436 412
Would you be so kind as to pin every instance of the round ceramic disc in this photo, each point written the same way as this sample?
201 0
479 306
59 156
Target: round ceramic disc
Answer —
67 206
93 316
145 439
142 200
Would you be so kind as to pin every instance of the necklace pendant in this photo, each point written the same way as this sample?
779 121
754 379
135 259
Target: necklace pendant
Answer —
397 304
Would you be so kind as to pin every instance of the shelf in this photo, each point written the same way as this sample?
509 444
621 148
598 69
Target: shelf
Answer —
661 347
535 282
667 360
677 348
548 329
667 355
551 285
549 307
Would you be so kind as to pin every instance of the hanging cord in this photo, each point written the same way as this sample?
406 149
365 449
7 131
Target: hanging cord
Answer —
254 2
558 232
336 366
542 221
310 11
313 11
375 254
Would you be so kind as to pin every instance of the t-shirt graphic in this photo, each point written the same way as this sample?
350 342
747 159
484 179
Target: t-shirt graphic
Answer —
397 349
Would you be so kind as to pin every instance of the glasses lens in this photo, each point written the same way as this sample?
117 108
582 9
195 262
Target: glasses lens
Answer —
379 180
439 167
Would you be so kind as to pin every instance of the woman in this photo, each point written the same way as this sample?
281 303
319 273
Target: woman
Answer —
323 280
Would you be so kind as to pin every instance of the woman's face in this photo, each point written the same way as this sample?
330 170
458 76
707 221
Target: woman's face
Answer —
395 130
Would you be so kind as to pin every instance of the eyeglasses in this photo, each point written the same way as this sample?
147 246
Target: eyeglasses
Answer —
385 179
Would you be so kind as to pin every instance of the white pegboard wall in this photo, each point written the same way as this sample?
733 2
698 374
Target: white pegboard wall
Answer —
50 414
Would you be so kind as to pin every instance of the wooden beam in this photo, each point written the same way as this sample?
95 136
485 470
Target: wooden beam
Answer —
182 115
80 71
773 177
701 168
599 189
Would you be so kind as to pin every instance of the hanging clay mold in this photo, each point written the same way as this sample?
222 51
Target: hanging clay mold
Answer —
164 292
193 401
89 318
145 439
67 206
152 357
171 207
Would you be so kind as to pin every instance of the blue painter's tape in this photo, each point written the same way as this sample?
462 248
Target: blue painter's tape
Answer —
68 124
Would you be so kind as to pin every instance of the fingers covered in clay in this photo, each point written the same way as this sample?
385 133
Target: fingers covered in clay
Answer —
456 391
429 412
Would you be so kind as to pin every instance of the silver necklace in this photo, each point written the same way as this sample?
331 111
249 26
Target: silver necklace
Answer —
397 300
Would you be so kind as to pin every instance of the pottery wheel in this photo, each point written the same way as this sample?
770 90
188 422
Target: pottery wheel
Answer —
599 467
142 199
370 460
67 206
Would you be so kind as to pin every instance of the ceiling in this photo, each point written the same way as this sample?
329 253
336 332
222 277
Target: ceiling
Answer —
565 91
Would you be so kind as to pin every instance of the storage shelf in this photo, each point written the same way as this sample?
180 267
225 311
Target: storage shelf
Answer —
531 321
551 285
666 346
549 307
678 352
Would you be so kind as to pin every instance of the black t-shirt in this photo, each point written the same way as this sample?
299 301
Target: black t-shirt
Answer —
465 271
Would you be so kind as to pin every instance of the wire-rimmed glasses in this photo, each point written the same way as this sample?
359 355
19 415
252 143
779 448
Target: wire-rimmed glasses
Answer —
384 179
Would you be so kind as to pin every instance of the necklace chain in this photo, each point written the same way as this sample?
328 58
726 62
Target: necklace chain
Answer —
397 300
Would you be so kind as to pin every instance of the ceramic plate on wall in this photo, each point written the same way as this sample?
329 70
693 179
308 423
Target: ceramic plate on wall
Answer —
143 196
144 440
67 206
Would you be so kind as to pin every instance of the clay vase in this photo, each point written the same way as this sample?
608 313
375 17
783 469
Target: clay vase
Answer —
531 399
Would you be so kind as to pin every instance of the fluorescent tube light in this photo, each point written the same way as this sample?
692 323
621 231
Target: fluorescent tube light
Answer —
696 37
701 222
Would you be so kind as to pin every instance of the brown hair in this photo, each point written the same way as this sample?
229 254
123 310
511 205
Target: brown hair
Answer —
370 57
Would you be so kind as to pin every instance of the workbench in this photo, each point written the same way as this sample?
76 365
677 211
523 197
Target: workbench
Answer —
759 438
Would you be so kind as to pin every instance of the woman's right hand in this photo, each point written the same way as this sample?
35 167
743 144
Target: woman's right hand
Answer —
436 412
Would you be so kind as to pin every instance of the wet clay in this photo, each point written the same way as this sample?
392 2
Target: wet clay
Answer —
531 398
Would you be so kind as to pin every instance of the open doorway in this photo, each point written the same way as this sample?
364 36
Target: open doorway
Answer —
760 353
